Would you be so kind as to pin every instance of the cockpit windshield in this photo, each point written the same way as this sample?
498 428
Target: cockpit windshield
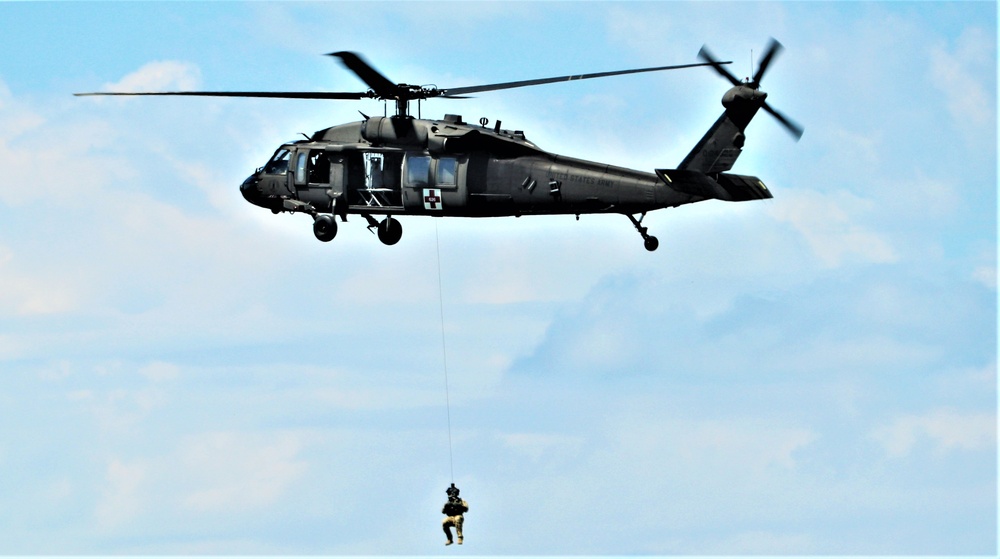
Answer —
278 165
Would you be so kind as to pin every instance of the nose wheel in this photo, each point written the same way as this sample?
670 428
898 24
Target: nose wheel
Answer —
650 242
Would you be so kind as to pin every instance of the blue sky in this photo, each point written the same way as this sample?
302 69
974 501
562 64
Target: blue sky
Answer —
183 373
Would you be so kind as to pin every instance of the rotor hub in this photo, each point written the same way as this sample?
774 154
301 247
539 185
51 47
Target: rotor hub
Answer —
743 94
745 97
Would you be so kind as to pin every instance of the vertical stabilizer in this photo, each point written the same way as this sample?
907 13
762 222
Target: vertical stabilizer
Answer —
718 149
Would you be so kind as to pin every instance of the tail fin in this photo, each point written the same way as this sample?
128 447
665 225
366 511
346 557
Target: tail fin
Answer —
722 144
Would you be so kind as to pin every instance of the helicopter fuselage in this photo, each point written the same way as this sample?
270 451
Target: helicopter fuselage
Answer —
400 165
390 166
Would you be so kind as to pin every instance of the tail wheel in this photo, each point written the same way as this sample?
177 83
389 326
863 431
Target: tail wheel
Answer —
390 231
650 242
325 228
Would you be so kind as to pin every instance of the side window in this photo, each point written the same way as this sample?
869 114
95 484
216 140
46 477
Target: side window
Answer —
418 169
300 167
446 169
278 165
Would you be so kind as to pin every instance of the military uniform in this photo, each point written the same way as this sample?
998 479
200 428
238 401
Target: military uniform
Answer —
454 510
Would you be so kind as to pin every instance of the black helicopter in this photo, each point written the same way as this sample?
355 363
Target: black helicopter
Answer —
400 165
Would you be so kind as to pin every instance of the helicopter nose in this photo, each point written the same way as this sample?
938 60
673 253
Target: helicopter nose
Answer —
249 190
251 193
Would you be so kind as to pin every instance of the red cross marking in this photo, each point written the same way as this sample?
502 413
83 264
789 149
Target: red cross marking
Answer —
432 199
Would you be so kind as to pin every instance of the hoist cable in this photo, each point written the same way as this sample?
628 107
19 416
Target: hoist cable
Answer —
444 352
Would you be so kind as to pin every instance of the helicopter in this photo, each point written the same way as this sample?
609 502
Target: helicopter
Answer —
398 165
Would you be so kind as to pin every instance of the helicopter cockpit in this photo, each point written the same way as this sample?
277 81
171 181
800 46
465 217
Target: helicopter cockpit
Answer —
278 164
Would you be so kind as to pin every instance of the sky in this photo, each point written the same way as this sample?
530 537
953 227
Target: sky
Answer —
184 373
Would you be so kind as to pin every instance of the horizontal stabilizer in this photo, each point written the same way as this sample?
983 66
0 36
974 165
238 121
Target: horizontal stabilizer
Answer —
732 188
744 187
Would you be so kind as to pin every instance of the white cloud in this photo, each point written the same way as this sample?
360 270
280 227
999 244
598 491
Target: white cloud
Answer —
986 275
536 446
761 543
963 74
829 225
120 398
914 209
747 443
166 75
231 470
33 294
742 450
374 398
535 259
948 430
122 410
862 147
122 498
160 372
15 119
650 467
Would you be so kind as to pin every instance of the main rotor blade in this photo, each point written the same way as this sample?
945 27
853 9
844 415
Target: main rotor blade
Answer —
773 48
271 94
375 80
793 128
453 91
707 56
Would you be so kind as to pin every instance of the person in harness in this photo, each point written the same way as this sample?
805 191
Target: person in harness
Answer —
454 510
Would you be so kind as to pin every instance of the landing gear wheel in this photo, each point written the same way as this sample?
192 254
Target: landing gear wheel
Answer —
650 242
325 228
390 231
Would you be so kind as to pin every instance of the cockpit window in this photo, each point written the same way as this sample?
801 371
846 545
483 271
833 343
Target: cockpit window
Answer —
278 165
418 169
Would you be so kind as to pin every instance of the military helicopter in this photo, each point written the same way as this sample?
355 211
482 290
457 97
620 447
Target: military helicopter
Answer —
400 165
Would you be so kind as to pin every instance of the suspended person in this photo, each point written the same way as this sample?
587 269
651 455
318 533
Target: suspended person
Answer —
454 510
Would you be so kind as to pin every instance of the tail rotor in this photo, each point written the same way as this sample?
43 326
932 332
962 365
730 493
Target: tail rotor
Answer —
773 49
